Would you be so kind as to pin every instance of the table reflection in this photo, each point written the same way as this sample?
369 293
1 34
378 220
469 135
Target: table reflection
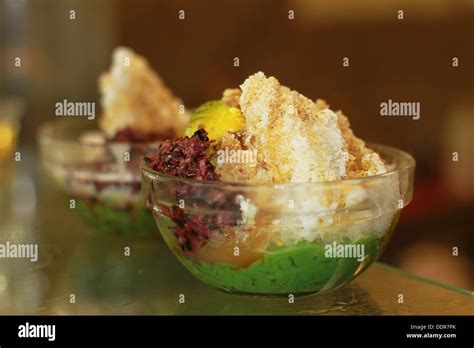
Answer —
83 272
151 281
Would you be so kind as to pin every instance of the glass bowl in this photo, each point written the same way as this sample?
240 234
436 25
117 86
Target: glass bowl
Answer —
285 239
101 178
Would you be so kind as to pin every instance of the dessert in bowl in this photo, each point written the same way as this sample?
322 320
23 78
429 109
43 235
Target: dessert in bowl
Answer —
98 165
279 196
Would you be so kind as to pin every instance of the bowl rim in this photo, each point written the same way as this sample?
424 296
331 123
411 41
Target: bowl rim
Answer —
405 162
47 134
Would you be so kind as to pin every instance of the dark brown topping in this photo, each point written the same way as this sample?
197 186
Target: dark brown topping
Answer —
188 157
191 231
184 157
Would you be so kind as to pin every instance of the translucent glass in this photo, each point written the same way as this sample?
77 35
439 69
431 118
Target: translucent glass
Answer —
280 239
103 178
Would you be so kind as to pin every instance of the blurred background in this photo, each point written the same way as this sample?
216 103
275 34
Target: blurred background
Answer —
45 57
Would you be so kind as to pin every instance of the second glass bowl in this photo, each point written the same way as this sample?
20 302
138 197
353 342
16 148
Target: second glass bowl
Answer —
102 178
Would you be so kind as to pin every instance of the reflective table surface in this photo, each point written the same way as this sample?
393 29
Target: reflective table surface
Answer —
82 272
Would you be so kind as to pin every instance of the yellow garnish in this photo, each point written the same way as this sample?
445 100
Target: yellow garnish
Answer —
217 118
